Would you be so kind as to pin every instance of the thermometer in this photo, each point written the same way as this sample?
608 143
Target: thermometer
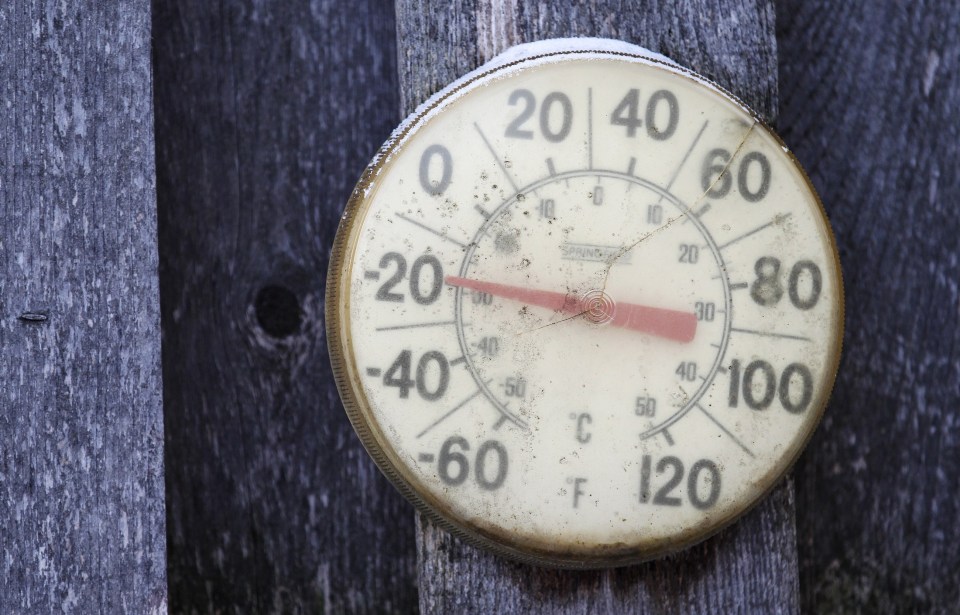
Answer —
584 308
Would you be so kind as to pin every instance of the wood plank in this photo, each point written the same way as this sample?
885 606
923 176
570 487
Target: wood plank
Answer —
81 434
267 112
872 107
752 566
730 41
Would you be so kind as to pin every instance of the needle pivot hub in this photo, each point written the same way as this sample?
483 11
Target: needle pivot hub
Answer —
598 307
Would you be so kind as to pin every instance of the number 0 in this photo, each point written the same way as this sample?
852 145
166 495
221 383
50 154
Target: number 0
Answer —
436 188
483 454
704 465
566 115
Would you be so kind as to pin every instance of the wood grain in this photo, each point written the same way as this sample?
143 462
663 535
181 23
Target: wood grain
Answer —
731 42
871 97
749 568
752 566
81 437
267 112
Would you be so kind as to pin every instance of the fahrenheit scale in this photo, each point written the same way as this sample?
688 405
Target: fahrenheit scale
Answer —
584 308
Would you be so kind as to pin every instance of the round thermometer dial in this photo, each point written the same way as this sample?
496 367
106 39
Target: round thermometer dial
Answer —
584 308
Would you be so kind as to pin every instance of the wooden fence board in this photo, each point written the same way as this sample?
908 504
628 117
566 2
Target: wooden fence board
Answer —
267 112
81 433
750 567
871 97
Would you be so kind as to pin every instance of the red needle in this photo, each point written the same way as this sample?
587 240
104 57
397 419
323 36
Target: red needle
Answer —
669 324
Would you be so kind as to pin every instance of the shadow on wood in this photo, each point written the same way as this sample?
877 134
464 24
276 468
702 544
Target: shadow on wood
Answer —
267 112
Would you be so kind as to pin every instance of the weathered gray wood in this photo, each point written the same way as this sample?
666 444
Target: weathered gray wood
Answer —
81 437
751 567
871 97
730 41
267 112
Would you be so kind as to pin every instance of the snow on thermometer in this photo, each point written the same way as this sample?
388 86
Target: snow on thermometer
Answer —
584 309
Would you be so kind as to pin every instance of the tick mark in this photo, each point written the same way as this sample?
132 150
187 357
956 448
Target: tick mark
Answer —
425 457
373 372
776 220
458 361
699 212
725 430
631 166
684 160
500 422
483 212
496 157
738 285
771 334
430 230
371 275
419 325
552 170
667 436
590 126
450 413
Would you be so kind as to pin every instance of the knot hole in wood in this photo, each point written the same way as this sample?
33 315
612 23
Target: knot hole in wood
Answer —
278 311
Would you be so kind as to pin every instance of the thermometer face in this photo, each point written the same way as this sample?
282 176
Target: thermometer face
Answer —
584 309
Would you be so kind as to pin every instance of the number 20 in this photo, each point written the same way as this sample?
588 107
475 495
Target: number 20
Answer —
525 97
